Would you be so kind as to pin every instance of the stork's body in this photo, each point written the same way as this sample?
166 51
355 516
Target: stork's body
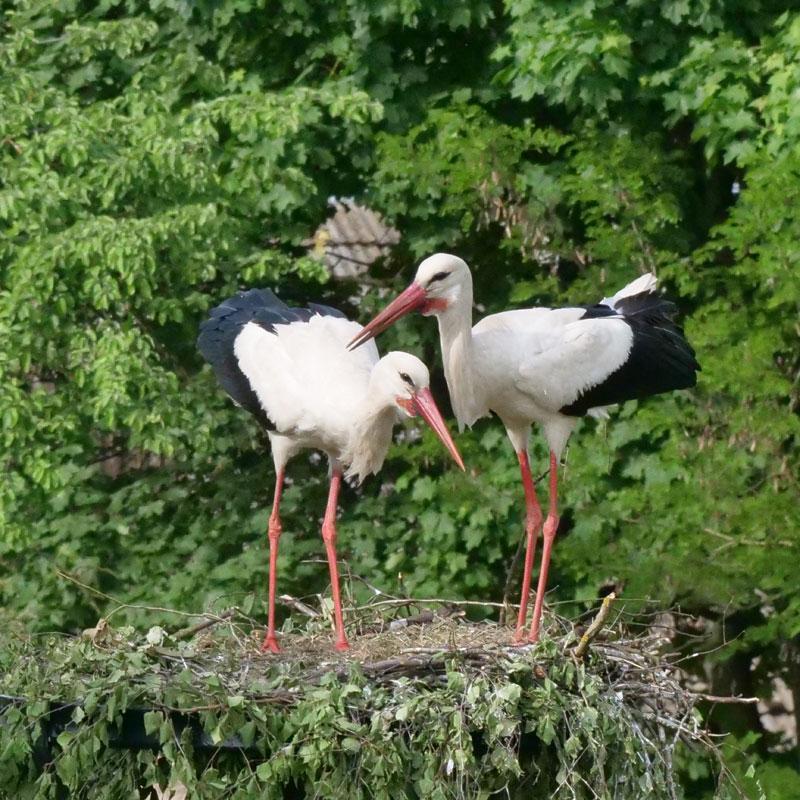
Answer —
291 369
544 366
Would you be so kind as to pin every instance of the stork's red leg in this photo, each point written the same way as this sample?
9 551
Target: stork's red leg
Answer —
274 534
329 537
533 520
550 528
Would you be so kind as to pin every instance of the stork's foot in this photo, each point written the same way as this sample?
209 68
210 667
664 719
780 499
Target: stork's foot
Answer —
342 645
519 638
270 645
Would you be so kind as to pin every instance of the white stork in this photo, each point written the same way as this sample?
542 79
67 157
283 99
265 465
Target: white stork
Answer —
290 367
550 366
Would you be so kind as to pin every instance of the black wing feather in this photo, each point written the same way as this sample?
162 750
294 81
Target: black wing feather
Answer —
225 322
660 360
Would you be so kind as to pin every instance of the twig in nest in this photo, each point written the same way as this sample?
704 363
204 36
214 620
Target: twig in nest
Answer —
713 698
594 628
298 605
397 601
425 617
187 633
120 604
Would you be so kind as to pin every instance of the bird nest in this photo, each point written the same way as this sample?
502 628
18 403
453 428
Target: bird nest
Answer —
427 703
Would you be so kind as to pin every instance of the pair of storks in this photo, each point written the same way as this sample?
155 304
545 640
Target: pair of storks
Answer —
306 377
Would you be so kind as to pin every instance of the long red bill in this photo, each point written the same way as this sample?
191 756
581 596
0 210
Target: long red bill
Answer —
408 300
426 406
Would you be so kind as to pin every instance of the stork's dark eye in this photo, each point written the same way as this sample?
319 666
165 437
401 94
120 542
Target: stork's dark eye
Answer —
439 276
406 378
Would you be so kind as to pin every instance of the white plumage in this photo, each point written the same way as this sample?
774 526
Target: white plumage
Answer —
314 390
534 362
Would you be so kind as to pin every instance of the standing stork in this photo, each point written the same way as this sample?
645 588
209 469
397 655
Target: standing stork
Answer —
290 367
550 366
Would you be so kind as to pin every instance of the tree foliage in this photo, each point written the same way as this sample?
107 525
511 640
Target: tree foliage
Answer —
155 156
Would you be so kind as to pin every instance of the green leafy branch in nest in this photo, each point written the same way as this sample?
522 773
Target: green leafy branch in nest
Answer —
443 710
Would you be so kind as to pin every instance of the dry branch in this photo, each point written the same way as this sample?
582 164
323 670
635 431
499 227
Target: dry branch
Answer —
426 617
298 605
192 630
595 627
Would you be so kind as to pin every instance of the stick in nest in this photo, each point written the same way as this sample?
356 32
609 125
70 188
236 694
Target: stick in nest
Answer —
594 628
187 633
298 605
425 617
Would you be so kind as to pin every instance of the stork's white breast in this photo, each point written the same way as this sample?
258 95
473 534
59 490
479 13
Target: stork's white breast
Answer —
306 380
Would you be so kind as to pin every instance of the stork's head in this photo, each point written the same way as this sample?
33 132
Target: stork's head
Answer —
442 280
404 381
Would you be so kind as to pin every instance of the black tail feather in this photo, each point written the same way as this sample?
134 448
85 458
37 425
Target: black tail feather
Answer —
648 303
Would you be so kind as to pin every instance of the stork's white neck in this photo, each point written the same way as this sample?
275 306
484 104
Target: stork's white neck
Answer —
455 334
370 436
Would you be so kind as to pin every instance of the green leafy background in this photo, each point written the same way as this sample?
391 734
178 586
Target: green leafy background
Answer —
157 156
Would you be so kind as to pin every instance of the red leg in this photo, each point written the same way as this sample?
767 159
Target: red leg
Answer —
550 528
533 519
329 537
274 534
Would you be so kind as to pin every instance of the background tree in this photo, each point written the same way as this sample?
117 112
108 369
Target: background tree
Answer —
156 156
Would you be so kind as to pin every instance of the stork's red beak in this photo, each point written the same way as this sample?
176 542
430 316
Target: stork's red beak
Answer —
411 299
425 405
